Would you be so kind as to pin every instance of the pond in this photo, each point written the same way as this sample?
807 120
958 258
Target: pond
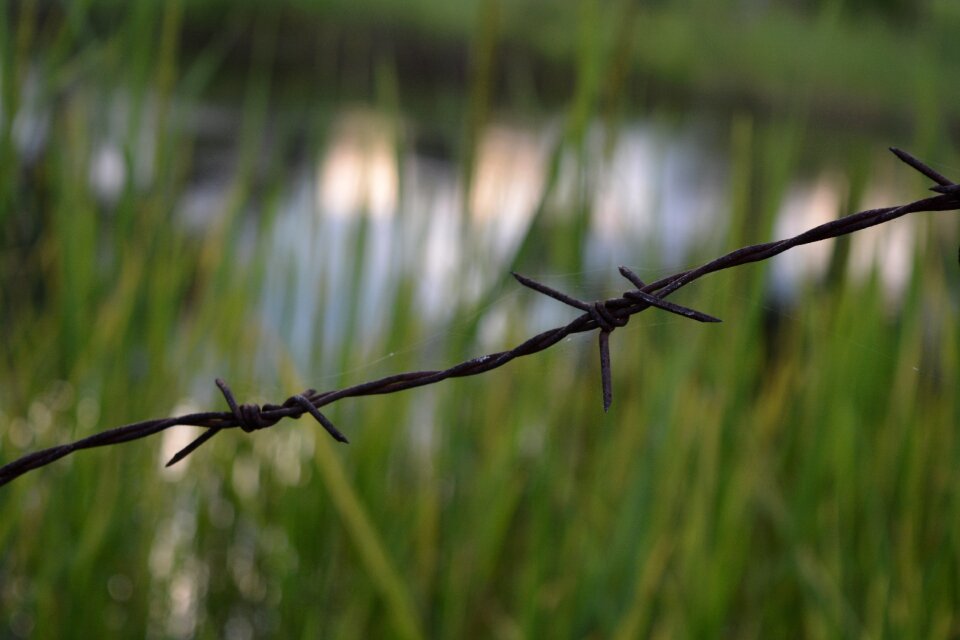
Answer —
655 191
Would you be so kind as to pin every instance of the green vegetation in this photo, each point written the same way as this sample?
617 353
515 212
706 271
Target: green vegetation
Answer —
778 475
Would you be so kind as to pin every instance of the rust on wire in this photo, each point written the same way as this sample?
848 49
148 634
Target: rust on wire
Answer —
605 315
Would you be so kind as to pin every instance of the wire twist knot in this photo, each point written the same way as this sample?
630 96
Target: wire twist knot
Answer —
250 418
606 319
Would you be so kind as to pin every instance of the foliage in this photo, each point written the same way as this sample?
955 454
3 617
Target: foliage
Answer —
792 471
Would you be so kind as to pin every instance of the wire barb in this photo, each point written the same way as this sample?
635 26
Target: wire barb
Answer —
654 301
922 168
605 315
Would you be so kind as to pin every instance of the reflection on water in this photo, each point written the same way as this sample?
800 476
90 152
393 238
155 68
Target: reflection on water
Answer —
659 196
405 215
371 212
358 171
366 210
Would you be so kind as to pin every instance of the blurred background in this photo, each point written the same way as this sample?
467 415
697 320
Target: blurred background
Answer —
314 193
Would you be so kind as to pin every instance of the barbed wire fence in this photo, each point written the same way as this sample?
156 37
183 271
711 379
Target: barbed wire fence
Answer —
605 315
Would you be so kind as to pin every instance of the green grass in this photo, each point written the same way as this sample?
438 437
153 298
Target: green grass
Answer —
749 481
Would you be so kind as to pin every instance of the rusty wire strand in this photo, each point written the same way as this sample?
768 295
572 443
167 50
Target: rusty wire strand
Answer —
605 315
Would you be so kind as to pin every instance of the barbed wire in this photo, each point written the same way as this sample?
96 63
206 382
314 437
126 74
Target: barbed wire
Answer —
605 315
